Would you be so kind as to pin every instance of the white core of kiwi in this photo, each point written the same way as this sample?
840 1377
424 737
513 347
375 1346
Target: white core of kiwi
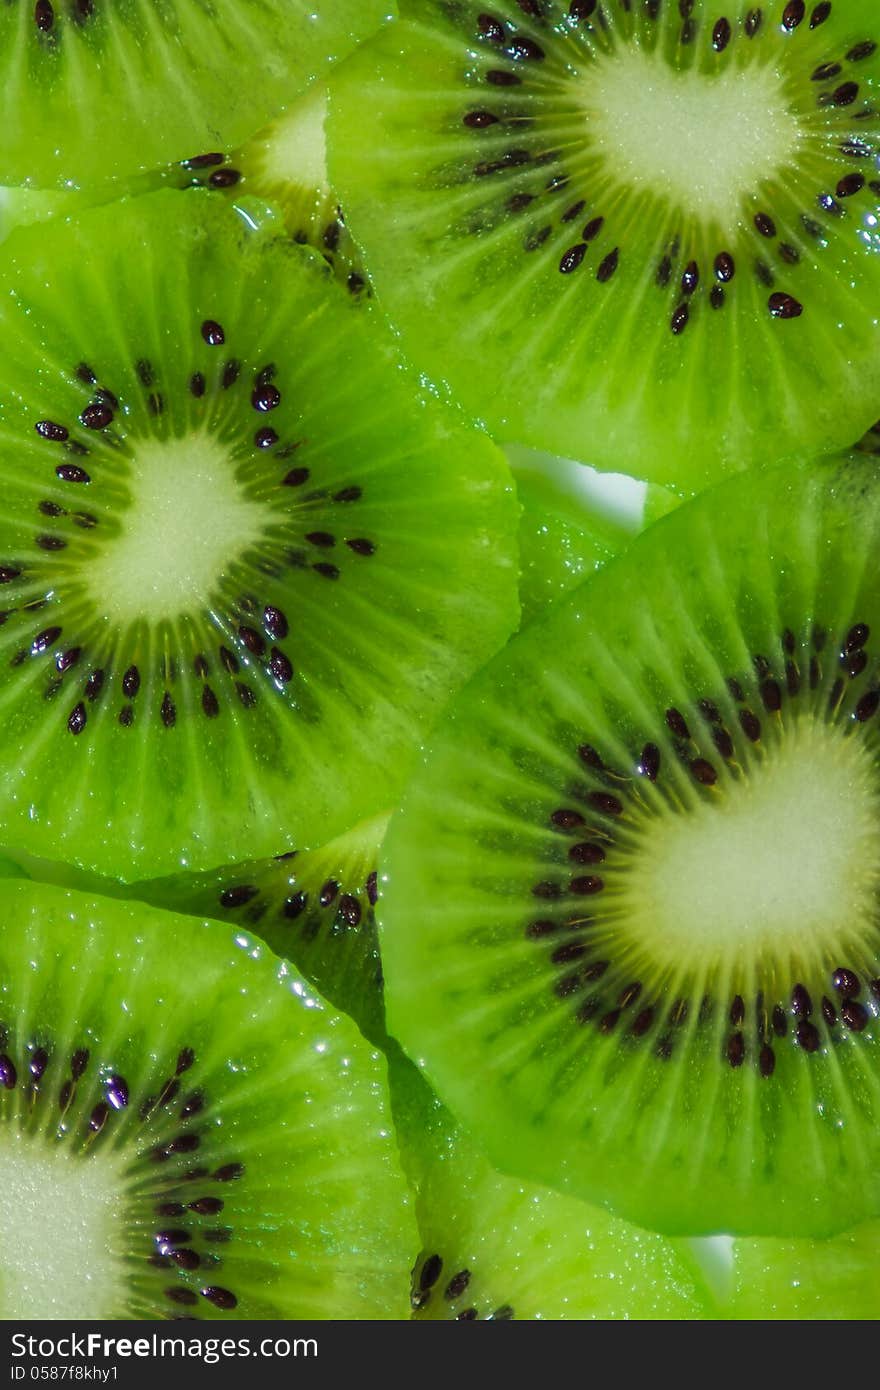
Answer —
186 521
784 857
293 150
60 1219
700 140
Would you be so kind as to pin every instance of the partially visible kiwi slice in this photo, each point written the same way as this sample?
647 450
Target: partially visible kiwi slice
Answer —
631 917
313 907
243 562
617 228
827 1280
494 1248
573 521
286 164
91 89
221 1135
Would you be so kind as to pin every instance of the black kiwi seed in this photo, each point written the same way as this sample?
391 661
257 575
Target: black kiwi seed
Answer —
44 15
854 1015
807 1036
846 982
48 429
430 1273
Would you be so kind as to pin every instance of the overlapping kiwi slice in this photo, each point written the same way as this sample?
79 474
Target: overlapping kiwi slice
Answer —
833 1279
286 164
631 918
616 227
495 1249
315 908
206 1142
573 521
242 562
96 88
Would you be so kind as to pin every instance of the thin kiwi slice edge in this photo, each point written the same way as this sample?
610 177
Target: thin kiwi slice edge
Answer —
630 921
574 520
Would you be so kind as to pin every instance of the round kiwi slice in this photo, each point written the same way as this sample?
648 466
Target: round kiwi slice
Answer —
242 562
313 907
826 1280
494 1248
631 918
614 228
159 79
222 1135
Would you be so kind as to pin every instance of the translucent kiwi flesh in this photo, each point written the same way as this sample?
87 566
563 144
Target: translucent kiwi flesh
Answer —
646 864
204 501
643 224
91 90
496 1249
187 1129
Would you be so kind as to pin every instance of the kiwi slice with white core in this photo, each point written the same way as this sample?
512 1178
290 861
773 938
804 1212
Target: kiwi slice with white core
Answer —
315 908
208 1142
159 79
614 228
630 926
826 1280
495 1248
243 563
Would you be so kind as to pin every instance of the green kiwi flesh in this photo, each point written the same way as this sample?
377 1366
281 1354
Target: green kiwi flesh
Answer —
315 908
285 164
823 1280
613 229
573 522
90 90
494 1248
630 926
221 1134
242 562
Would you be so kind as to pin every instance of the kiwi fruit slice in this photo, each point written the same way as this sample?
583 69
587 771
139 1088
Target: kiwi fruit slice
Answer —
222 1135
615 228
159 79
494 1248
285 164
825 1280
313 907
630 923
242 562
